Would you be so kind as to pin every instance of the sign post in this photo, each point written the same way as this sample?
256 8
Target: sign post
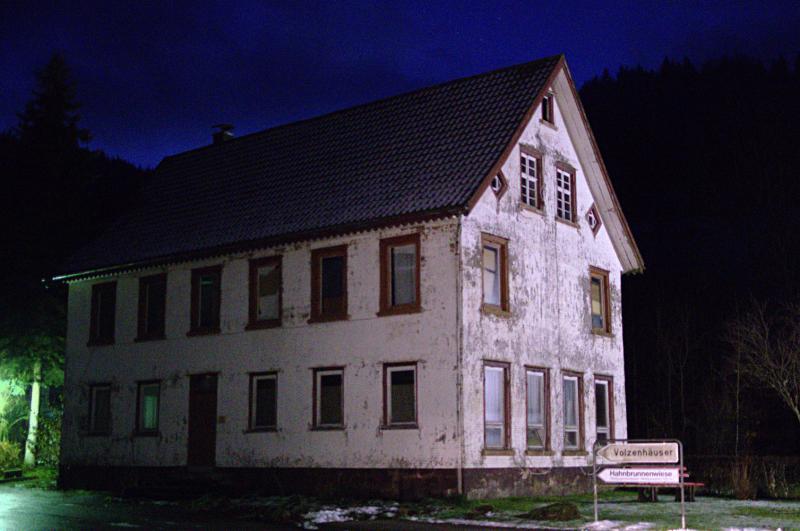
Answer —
620 457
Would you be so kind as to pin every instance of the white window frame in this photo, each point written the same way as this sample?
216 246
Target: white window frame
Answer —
544 400
390 369
254 379
565 195
603 430
318 375
529 184
140 407
576 428
504 423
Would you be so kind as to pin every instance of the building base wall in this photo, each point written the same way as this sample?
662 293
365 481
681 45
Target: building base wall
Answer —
387 483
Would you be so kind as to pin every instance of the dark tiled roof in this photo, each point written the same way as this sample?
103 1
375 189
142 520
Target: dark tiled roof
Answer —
424 151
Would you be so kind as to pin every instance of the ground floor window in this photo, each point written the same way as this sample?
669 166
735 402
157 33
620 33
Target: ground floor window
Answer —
263 401
496 414
400 394
329 398
147 407
538 417
100 409
573 411
604 408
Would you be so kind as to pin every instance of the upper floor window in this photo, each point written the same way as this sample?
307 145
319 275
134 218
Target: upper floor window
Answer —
400 400
548 108
147 406
601 306
530 171
604 409
265 292
152 306
103 311
573 411
100 409
538 406
565 193
496 404
498 185
400 274
206 295
329 398
329 283
495 273
263 401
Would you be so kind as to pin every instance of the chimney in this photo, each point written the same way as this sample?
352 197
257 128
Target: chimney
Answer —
225 133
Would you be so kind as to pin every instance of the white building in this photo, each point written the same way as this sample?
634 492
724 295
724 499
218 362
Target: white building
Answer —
417 296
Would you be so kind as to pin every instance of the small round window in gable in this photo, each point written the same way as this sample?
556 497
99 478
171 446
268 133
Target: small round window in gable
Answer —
498 185
593 219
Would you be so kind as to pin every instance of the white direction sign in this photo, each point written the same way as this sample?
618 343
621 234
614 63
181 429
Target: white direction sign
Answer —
660 452
641 476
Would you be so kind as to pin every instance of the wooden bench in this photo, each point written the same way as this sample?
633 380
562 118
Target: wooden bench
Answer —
650 493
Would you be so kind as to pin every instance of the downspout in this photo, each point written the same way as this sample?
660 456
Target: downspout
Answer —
459 364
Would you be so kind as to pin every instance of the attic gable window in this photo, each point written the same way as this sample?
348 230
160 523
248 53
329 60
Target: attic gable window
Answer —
530 171
265 292
548 108
499 185
206 295
152 307
329 284
103 313
565 193
400 275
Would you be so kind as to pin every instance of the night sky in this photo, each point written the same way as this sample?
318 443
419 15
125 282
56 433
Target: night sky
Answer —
154 76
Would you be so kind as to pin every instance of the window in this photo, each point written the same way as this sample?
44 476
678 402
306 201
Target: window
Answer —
498 185
565 193
593 219
206 300
548 108
400 394
147 404
538 406
573 411
601 323
152 307
495 273
329 284
604 407
265 292
100 409
530 170
400 275
101 322
263 401
328 398
496 404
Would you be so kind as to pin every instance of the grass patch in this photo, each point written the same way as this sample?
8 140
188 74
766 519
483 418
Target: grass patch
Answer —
769 512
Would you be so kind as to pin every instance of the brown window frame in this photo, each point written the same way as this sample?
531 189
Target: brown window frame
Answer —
536 155
388 368
605 303
195 329
137 429
581 448
573 210
94 325
143 319
501 191
91 427
506 367
545 372
549 108
251 410
315 403
316 284
501 244
254 322
386 277
609 381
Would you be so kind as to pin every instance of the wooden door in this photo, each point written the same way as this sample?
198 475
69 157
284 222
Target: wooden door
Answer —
202 420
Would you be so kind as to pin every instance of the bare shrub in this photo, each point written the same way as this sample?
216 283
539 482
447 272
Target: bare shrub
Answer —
743 480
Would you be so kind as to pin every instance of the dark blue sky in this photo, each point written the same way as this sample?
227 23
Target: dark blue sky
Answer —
154 76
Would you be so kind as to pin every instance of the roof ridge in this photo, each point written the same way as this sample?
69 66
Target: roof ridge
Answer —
368 103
